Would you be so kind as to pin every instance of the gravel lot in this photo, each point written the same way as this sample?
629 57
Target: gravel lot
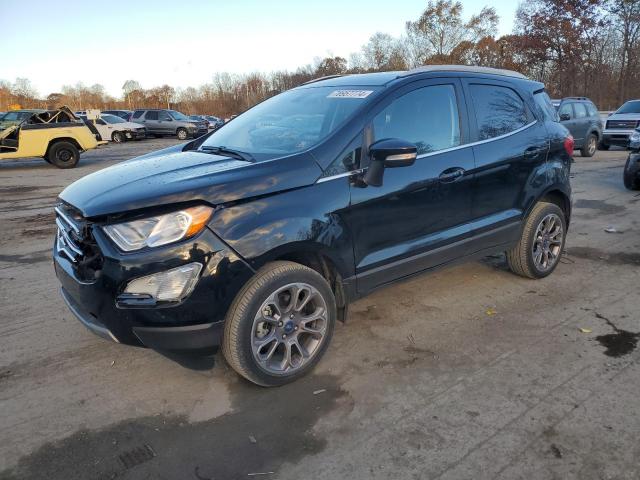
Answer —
470 372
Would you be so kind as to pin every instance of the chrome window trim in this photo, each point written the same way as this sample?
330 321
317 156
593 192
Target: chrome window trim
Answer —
437 152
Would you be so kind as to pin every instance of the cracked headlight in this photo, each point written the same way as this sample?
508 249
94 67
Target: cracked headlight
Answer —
159 230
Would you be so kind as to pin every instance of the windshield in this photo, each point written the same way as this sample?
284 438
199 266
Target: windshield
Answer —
13 116
178 115
290 122
112 119
630 107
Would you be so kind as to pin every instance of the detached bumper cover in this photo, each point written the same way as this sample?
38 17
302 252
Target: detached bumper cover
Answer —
195 324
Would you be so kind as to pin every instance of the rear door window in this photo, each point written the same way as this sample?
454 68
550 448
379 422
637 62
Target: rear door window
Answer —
427 116
499 110
151 115
581 110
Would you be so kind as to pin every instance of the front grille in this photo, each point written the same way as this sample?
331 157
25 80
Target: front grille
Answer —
75 241
624 124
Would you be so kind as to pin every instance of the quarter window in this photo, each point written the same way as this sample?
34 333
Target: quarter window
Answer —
138 113
427 117
499 110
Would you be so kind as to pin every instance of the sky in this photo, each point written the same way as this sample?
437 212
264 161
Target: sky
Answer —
184 43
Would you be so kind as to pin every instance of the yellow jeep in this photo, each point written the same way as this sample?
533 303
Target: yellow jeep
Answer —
58 136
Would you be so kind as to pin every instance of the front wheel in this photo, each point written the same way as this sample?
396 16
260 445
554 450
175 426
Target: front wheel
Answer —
117 137
280 324
538 252
182 134
63 155
631 175
590 146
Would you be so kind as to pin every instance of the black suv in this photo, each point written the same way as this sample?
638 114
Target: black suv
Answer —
583 121
257 236
160 122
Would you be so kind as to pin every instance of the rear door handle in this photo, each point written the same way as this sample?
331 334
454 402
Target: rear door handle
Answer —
533 152
451 174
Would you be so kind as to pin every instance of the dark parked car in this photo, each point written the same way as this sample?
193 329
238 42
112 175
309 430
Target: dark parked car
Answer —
631 175
200 118
123 114
161 122
214 122
259 243
582 119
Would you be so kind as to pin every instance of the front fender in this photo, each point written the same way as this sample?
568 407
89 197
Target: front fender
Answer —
300 221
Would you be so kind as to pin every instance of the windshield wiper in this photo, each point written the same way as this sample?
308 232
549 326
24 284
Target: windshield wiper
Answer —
237 154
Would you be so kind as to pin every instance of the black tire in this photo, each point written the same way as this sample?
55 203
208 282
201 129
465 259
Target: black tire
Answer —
63 155
603 146
117 137
590 145
239 327
521 258
630 175
182 134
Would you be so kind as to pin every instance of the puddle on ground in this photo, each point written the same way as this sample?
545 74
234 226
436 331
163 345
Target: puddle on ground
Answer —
599 205
620 343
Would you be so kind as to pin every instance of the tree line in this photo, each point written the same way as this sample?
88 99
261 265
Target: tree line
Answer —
576 47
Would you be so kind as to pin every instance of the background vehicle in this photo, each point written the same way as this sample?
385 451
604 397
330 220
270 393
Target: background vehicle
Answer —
124 114
200 118
116 129
58 136
259 235
582 119
160 122
631 175
620 125
15 117
214 122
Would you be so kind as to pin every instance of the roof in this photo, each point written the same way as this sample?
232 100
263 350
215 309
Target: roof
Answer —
382 78
464 69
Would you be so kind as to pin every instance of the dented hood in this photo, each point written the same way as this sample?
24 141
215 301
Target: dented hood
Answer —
172 176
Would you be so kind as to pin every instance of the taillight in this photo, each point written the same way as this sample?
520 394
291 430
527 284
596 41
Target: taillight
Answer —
568 145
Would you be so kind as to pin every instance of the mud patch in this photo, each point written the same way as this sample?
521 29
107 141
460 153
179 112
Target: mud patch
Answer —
279 420
600 206
612 258
14 190
27 258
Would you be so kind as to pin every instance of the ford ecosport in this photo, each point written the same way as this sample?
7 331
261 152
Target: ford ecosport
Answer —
257 237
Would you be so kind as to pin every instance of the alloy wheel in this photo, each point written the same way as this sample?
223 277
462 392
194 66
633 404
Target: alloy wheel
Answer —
289 328
593 145
547 243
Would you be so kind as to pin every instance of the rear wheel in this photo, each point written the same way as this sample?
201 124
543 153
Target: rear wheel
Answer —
538 252
590 146
117 137
280 324
63 155
182 134
630 176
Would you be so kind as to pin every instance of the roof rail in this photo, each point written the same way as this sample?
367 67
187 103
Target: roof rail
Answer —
323 78
577 98
463 68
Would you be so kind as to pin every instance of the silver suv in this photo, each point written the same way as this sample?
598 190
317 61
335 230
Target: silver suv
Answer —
159 122
621 124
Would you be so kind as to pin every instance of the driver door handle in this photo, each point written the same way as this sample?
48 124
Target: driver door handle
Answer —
451 174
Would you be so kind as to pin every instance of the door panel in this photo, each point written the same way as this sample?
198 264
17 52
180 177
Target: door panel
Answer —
422 207
510 151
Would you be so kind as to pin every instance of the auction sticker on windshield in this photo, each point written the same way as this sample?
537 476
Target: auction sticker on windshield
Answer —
349 94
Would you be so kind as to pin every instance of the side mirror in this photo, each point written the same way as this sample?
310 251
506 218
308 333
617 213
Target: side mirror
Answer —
564 117
388 153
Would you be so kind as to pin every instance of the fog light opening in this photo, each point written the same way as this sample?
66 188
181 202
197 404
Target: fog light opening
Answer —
169 286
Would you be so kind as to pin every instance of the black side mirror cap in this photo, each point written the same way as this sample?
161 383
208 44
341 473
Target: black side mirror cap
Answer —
564 117
388 153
